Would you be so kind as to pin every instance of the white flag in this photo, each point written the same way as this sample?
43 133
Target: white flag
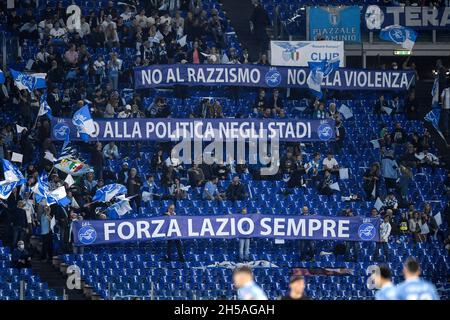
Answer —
335 186
346 111
387 110
49 156
182 41
58 193
69 180
424 229
52 223
17 157
20 129
438 218
343 173
375 144
378 204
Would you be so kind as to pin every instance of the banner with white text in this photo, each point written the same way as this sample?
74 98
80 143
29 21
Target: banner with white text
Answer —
251 75
171 129
91 232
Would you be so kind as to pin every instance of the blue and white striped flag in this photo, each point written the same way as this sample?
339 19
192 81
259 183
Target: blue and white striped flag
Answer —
29 82
84 123
108 192
318 71
404 36
44 108
2 77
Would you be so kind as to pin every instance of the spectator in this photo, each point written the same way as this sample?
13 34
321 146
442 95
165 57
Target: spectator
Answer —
236 190
110 151
244 245
177 242
19 222
177 190
211 192
307 247
371 180
20 256
385 232
196 176
389 168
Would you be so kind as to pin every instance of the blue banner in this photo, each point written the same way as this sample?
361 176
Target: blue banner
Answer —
167 129
418 18
250 75
335 23
226 227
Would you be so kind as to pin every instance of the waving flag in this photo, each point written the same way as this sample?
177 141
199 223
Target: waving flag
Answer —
120 208
58 196
72 166
12 174
319 70
82 119
44 108
108 192
41 191
404 36
29 82
6 189
433 117
2 77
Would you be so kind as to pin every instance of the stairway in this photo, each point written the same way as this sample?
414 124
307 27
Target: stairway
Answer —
239 12
55 280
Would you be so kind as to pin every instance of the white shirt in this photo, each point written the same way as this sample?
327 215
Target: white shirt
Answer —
329 164
445 95
385 231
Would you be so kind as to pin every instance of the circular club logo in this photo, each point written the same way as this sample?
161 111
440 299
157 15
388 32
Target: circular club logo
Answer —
87 235
273 78
397 35
325 132
366 231
61 131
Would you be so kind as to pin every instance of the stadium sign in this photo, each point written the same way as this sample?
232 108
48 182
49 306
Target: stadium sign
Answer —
169 129
335 23
232 226
417 18
249 75
299 53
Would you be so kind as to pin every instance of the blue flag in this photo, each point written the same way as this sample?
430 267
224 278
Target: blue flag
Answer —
404 36
44 108
2 77
6 189
12 174
29 82
318 71
42 192
108 192
84 123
